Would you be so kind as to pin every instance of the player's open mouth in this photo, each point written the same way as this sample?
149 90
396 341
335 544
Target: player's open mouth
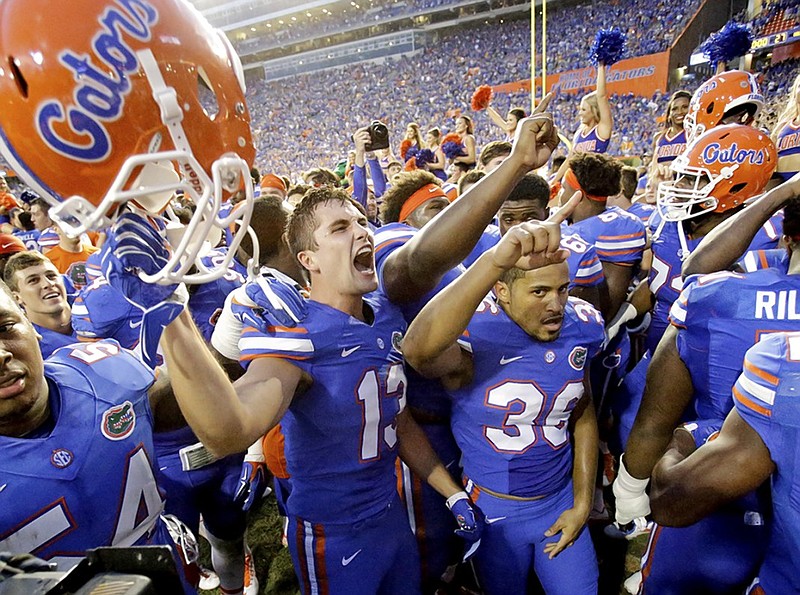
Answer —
364 262
11 386
51 295
553 323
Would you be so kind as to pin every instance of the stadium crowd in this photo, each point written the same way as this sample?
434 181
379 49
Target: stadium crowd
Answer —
450 366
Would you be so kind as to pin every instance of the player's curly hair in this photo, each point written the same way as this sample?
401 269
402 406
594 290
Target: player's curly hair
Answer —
598 174
403 186
303 220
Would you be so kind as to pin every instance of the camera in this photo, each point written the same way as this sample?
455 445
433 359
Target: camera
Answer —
378 136
139 570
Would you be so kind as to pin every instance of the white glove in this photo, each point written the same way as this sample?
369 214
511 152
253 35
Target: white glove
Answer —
631 499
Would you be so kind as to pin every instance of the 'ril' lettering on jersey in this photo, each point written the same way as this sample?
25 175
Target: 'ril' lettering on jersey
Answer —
781 305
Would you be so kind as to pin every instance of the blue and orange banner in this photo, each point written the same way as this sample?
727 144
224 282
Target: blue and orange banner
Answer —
642 76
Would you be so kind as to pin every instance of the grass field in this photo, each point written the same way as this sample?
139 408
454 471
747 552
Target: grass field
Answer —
618 559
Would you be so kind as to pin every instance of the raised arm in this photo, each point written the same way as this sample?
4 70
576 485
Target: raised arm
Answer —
360 138
606 124
729 240
226 419
416 268
497 119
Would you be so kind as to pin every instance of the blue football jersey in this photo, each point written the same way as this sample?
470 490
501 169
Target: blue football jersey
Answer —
101 311
642 210
665 272
719 317
488 239
423 394
48 238
665 277
618 236
768 236
755 260
29 237
206 300
766 396
511 422
87 481
52 340
585 268
340 435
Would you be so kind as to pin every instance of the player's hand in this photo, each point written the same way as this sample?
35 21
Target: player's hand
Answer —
534 244
278 298
470 521
631 499
252 481
134 245
536 137
569 524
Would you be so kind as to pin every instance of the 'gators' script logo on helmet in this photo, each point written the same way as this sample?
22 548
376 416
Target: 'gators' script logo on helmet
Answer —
713 153
102 83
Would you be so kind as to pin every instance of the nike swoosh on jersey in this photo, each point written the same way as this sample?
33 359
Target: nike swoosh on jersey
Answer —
346 352
135 324
346 561
494 520
504 360
2 487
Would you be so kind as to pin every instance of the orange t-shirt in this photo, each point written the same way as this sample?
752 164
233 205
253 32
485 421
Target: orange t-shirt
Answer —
71 264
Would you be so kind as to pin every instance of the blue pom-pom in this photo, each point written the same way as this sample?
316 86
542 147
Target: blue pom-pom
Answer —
413 151
453 150
424 157
732 41
609 47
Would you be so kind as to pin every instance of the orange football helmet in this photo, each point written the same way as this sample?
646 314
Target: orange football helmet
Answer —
718 97
719 171
125 100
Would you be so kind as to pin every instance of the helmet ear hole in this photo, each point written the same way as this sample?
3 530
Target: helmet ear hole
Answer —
19 79
710 108
738 187
206 95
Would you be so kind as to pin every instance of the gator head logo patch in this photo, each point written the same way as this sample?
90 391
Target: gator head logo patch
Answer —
118 422
397 341
577 358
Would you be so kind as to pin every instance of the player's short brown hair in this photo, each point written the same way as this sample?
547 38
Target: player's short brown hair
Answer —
303 221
